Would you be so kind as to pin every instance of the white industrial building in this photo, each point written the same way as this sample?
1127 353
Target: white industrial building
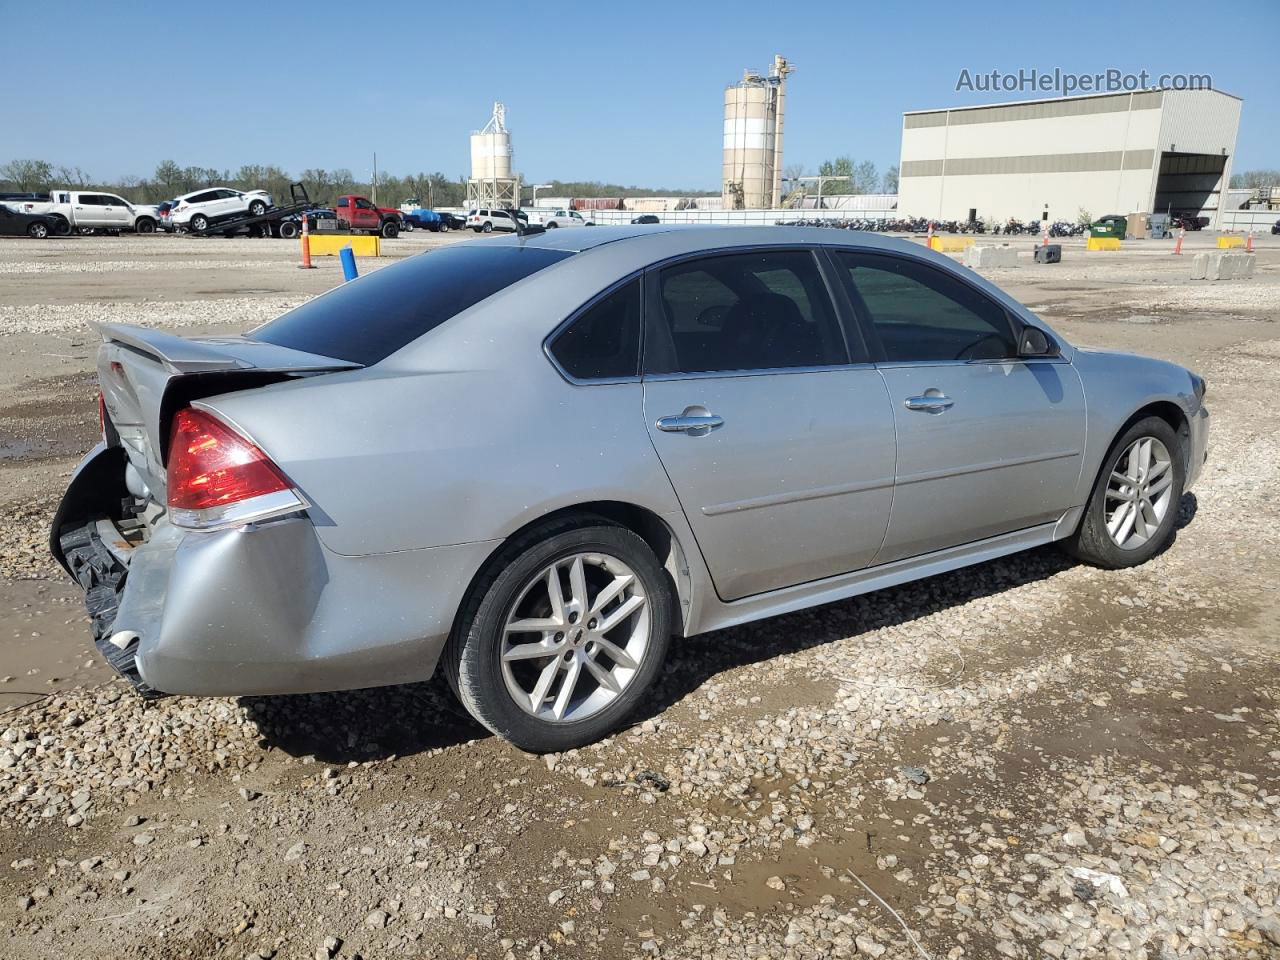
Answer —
1149 151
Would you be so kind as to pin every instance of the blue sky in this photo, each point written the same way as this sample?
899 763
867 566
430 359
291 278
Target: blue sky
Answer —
622 92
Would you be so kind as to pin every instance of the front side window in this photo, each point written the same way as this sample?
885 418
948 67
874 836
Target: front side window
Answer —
749 311
604 341
920 313
363 204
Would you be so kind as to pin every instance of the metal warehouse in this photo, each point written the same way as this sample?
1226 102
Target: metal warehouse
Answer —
1150 151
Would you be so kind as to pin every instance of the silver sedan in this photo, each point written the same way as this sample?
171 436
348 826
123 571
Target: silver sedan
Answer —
531 461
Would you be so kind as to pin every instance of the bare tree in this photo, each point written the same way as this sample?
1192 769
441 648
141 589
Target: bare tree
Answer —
27 175
890 182
865 177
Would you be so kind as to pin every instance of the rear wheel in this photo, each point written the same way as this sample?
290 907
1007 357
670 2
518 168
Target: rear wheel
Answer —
1134 505
443 228
289 229
551 225
257 208
38 230
199 222
560 643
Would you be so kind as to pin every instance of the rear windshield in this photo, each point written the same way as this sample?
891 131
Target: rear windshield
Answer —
369 319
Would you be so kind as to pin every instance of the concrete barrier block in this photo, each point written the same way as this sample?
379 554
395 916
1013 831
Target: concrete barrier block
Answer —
1249 259
990 256
1200 266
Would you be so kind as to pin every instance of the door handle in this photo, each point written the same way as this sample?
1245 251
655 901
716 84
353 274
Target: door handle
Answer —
930 403
695 425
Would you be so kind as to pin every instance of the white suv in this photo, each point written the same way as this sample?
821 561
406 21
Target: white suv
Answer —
486 220
200 208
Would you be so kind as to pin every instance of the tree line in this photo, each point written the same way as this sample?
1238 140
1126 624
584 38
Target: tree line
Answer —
171 180
1255 179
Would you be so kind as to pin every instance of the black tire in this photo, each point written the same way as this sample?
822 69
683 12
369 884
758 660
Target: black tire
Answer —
38 230
1091 542
289 230
145 225
61 226
552 225
487 228
406 226
390 230
257 208
473 656
443 228
198 223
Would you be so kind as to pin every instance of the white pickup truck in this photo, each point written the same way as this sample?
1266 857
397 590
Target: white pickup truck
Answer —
90 210
558 218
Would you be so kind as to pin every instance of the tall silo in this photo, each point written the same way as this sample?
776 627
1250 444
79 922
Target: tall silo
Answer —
752 165
492 183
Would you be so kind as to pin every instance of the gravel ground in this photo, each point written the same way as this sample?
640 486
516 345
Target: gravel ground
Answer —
1029 758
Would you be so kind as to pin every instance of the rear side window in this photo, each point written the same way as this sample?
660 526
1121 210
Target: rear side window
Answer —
369 319
750 311
603 343
922 314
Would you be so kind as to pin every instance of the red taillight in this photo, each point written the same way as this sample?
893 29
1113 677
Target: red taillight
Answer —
212 468
102 414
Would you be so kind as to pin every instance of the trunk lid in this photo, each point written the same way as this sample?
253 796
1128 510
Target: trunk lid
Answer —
147 375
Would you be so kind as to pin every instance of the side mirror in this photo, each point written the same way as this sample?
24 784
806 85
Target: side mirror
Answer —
1034 342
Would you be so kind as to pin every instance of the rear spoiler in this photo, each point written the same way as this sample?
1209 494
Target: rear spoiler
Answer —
184 355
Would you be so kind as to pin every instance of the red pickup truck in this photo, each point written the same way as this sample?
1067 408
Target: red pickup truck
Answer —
359 213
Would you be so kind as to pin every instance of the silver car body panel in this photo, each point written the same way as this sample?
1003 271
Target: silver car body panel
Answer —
819 485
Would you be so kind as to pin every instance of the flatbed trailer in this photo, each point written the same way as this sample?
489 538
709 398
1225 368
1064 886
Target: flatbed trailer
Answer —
274 222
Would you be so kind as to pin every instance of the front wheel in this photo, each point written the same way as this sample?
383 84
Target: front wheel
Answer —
1132 511
145 225
390 230
289 229
560 643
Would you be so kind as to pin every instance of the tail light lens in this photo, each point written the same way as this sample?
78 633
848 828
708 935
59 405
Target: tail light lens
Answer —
102 414
217 478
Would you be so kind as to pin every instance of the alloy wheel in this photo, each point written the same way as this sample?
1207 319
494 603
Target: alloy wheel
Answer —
1139 493
575 637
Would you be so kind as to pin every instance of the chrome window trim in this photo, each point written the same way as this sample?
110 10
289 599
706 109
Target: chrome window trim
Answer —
770 372
910 364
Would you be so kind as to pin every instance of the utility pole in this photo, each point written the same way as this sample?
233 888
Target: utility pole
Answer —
375 178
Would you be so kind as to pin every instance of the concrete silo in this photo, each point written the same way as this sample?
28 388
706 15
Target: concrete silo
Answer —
753 111
492 183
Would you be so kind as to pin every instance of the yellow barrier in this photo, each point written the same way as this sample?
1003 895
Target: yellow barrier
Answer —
951 244
328 246
1228 243
1103 243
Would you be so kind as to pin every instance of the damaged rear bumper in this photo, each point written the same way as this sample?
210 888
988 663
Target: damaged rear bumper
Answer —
263 608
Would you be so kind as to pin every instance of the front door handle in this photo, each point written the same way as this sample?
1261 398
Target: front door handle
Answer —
694 425
930 403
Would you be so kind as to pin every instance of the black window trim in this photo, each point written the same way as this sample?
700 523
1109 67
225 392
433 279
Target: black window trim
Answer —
550 339
875 349
815 251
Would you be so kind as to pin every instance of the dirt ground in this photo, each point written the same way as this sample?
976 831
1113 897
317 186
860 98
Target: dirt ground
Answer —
1029 758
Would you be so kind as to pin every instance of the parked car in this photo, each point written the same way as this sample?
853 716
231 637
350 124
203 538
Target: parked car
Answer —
201 208
646 218
558 218
347 496
1189 222
434 220
1275 227
485 220
92 211
359 213
38 226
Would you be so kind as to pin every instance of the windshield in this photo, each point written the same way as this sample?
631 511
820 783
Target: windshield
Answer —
369 319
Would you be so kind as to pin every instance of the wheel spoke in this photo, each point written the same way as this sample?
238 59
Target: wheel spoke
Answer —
1139 522
1160 485
620 613
543 686
616 653
1118 518
573 670
555 594
603 676
578 584
606 596
533 625
1120 478
1157 469
532 651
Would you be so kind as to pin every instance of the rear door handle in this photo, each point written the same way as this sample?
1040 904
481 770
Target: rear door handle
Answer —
696 425
930 403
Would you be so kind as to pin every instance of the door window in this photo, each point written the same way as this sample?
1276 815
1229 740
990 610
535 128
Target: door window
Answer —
751 311
920 313
604 342
90 200
362 204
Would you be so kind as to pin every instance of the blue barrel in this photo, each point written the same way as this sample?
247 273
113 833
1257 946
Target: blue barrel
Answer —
349 271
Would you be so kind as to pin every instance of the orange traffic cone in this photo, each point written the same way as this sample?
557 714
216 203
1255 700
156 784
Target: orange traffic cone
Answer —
1177 247
306 244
